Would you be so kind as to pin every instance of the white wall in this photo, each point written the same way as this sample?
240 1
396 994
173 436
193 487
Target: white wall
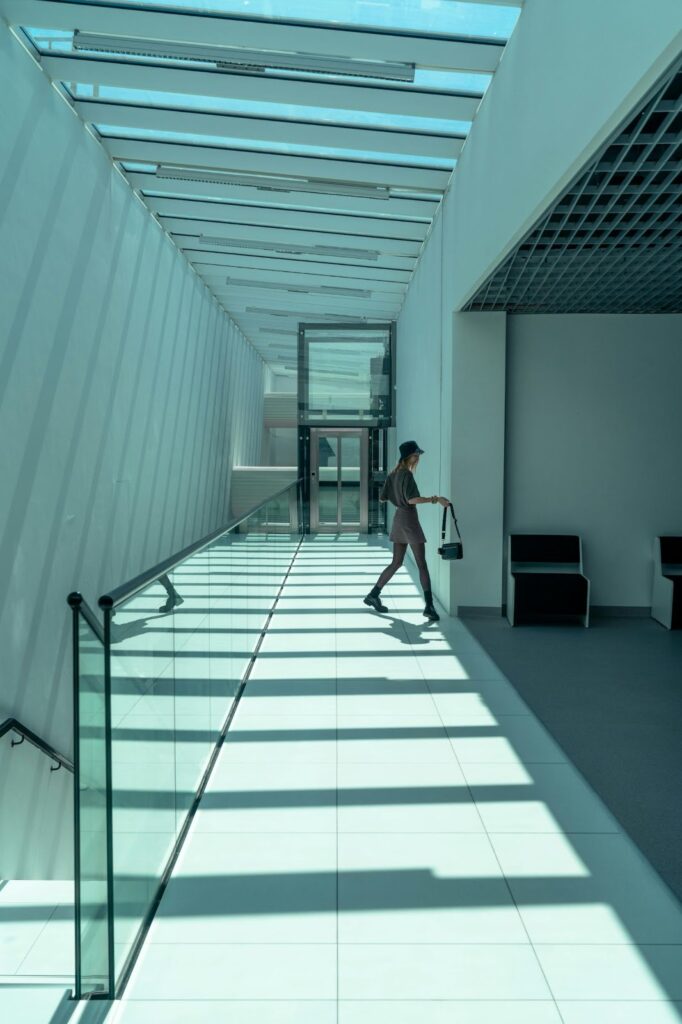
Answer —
424 394
36 814
594 421
126 393
478 443
572 70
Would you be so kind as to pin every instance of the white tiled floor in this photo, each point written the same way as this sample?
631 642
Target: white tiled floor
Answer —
391 836
36 949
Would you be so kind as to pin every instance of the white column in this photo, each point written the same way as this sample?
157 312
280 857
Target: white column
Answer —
477 457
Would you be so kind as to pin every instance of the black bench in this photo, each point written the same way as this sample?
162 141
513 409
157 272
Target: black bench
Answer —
666 598
545 579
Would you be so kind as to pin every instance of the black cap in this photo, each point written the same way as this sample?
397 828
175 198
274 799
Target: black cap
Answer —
408 448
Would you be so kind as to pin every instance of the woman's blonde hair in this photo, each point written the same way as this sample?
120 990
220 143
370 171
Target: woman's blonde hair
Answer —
407 462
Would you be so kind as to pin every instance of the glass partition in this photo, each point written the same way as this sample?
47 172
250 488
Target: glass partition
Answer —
92 848
176 652
345 375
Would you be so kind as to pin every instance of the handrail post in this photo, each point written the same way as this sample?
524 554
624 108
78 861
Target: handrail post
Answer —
111 993
74 601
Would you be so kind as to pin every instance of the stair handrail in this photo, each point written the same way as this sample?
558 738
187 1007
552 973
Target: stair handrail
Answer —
14 725
127 590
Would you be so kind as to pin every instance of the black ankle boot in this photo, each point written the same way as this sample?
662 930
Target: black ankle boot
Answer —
429 611
374 601
171 602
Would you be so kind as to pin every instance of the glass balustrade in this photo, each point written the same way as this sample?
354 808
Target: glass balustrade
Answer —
153 697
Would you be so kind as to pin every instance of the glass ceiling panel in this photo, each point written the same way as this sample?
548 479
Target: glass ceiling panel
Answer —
422 17
425 79
116 131
280 111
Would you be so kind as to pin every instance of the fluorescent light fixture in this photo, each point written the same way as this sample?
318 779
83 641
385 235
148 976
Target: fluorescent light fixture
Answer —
355 293
277 330
290 248
230 58
272 183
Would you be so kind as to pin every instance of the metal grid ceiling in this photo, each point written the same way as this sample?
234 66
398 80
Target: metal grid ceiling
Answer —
612 242
295 152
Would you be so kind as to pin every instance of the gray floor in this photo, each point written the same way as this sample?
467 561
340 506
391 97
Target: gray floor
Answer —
611 696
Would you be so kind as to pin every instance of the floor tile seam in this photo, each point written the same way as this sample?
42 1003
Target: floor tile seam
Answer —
416 943
35 940
493 851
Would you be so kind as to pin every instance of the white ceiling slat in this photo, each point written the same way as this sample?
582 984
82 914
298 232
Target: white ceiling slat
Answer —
399 208
285 237
286 279
365 241
202 30
291 133
294 278
405 264
208 261
216 158
308 305
263 89
230 213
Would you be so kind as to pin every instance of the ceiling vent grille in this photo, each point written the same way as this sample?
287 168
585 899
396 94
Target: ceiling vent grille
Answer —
612 243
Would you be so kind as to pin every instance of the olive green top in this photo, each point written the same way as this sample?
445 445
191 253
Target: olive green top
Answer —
399 487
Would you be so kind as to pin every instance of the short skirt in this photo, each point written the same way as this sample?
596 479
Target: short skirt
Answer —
406 527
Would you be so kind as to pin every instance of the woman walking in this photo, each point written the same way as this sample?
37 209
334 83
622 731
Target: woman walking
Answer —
401 490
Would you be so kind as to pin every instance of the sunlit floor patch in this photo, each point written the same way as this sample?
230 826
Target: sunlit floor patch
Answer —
390 835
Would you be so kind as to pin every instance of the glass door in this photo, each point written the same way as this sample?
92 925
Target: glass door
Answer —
338 481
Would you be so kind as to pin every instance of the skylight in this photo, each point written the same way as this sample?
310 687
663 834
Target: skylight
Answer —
432 17
281 111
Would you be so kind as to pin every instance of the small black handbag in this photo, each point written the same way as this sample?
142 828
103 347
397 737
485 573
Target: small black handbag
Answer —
455 549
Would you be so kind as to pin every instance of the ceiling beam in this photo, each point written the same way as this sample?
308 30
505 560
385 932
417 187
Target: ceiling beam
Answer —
252 162
231 213
214 277
400 208
270 130
189 231
341 271
207 256
279 93
221 30
196 244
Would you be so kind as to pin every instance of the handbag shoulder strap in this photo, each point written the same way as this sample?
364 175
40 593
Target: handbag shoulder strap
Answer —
445 520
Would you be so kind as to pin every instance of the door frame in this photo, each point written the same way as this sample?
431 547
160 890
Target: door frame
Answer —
338 527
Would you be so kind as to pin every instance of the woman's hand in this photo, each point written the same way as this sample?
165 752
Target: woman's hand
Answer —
444 502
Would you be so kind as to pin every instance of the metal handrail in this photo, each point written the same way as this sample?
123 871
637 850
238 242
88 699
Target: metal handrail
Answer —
126 590
14 725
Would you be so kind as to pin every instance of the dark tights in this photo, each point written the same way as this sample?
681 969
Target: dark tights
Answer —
419 552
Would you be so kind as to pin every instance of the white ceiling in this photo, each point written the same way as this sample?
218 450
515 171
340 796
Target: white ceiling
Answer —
350 168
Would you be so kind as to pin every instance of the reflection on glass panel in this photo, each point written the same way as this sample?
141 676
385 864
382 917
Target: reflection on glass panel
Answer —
350 480
328 483
179 649
347 376
449 17
93 916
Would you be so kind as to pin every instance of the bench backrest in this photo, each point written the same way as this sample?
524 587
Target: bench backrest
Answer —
545 547
671 549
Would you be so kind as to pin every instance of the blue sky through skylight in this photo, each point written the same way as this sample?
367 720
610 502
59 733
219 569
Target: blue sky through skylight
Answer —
425 79
440 17
284 111
273 147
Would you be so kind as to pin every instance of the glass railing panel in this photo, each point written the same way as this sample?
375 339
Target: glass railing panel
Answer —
143 756
179 649
93 936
